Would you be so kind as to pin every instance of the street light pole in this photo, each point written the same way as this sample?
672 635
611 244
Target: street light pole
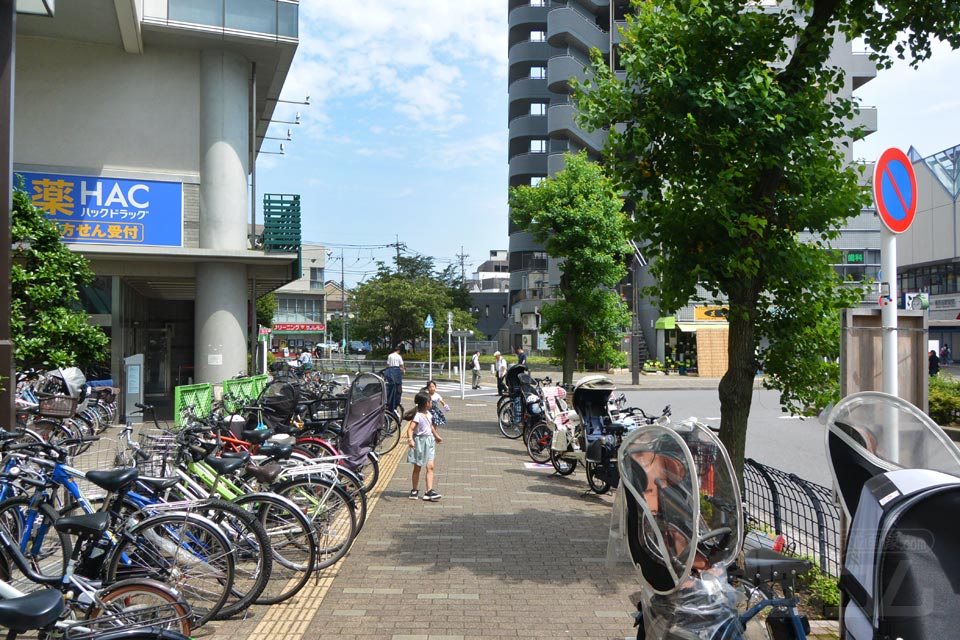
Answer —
8 34
343 308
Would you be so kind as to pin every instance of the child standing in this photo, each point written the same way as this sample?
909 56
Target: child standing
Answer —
437 405
423 438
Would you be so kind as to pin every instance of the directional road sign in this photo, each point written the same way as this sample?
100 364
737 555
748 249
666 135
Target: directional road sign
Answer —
462 333
428 323
895 190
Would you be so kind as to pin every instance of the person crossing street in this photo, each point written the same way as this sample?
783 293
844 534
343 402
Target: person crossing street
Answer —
475 367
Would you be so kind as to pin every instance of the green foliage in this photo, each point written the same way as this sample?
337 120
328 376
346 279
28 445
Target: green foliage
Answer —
46 326
392 307
944 399
724 134
266 309
824 589
578 216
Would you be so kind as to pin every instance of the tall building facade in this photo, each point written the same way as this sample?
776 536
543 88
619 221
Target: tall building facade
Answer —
549 43
137 128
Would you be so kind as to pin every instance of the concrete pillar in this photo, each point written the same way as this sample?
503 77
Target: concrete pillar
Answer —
224 150
220 344
220 316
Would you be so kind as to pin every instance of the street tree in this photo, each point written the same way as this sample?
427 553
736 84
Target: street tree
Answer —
266 309
46 324
725 133
391 308
578 216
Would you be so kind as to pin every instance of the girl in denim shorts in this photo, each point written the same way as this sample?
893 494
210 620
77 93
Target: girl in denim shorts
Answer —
422 437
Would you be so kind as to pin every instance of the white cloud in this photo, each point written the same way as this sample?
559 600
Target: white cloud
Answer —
407 53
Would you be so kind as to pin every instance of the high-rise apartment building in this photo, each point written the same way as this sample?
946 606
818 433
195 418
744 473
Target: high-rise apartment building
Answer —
549 43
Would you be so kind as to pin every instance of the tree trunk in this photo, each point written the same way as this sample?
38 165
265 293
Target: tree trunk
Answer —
736 388
570 355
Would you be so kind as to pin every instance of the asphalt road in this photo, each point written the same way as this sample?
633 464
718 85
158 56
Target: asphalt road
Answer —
773 437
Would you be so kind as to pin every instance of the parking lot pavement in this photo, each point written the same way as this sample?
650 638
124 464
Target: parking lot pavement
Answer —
509 552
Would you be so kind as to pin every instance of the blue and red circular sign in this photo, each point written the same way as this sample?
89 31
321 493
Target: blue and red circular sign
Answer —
895 190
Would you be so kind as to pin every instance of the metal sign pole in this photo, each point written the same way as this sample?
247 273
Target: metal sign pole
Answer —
431 353
449 344
460 360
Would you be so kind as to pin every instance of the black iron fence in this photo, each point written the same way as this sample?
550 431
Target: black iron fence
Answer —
802 511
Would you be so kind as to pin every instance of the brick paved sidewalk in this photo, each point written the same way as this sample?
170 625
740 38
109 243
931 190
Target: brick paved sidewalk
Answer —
509 552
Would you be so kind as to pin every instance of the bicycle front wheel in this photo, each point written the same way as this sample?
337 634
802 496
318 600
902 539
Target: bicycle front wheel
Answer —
509 427
329 509
253 556
292 541
140 603
187 551
46 549
388 436
538 443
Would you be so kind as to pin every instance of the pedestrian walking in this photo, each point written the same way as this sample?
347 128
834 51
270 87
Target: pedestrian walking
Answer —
475 366
422 437
396 360
437 405
521 356
306 360
500 368
933 363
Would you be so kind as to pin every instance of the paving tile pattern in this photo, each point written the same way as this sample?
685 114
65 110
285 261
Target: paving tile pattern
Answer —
509 552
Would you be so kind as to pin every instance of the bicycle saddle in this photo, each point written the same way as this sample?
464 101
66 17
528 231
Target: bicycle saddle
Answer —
256 436
766 565
265 474
158 484
114 479
85 525
226 466
34 611
276 451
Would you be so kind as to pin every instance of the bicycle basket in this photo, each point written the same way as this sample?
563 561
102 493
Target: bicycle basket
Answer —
168 615
57 406
157 447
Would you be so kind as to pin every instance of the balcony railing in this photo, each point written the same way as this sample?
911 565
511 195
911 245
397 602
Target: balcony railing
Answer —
274 18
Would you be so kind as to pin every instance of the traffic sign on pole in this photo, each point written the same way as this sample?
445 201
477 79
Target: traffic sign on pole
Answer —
428 323
895 190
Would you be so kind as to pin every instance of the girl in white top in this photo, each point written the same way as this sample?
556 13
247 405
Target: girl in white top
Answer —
422 437
437 405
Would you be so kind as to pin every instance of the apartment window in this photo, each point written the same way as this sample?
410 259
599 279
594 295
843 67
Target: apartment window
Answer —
538 108
538 3
538 36
486 311
504 311
538 73
316 277
538 146
535 180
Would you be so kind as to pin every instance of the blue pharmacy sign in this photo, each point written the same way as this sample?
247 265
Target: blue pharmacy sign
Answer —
109 210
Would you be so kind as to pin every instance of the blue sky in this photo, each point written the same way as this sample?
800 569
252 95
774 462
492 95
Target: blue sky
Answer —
406 134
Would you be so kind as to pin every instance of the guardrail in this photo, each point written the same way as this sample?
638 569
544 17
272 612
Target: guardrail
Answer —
357 365
804 512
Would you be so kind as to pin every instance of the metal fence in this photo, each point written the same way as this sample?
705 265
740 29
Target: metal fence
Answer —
357 365
802 511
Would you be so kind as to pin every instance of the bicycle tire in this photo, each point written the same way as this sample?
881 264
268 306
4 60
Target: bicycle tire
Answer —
561 465
369 472
508 427
253 554
292 541
46 549
148 549
538 443
175 614
353 485
330 511
315 447
597 485
388 436
51 430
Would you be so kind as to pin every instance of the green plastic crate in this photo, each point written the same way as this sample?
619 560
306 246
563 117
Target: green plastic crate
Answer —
197 396
242 391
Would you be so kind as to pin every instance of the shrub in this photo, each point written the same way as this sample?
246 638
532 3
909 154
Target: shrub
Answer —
944 399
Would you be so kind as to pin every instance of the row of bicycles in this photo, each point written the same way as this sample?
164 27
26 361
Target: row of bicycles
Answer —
677 515
586 431
196 522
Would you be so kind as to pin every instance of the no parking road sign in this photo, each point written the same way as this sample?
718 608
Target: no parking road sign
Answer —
895 190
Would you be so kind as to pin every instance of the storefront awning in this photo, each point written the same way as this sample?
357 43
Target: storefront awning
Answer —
669 322
691 328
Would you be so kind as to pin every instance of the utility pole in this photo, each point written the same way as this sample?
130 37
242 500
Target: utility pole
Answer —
398 246
463 272
343 308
